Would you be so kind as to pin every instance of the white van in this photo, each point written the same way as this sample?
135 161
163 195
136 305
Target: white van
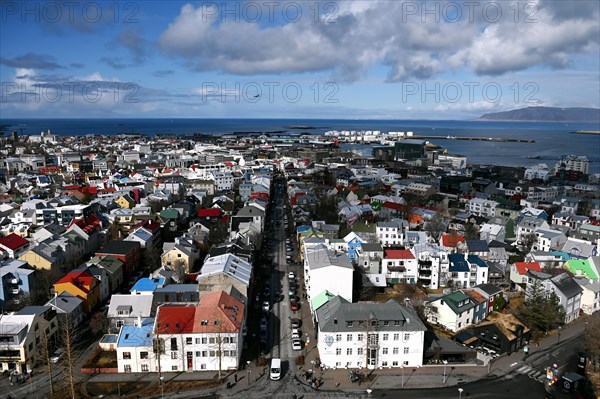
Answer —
275 369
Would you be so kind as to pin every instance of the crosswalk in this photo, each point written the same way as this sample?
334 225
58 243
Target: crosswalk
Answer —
532 373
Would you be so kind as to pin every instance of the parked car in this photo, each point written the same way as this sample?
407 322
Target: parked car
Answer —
291 275
297 345
263 323
295 323
266 306
294 306
57 355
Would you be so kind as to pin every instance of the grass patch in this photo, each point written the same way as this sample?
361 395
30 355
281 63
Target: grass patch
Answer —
102 360
142 389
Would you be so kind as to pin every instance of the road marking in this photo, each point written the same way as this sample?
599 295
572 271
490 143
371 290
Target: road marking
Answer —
522 368
514 364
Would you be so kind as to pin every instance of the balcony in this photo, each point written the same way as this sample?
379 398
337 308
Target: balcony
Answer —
396 269
425 264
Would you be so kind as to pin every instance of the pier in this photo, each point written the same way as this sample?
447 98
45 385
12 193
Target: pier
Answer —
468 138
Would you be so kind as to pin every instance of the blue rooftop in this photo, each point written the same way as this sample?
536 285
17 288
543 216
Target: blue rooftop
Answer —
477 260
564 256
132 336
148 284
458 263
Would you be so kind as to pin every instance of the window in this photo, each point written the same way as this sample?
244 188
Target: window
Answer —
128 368
360 337
213 353
143 355
349 351
145 367
396 323
384 351
395 351
384 363
198 353
406 336
386 323
395 363
338 351
225 353
386 336
360 351
204 353
350 323
188 341
173 368
173 355
406 350
173 344
338 337
232 340
233 353
197 341
348 337
396 337
204 340
211 340
126 355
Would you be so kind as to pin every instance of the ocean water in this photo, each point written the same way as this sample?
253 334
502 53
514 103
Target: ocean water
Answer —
552 139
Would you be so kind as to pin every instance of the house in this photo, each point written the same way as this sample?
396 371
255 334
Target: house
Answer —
490 232
518 272
580 249
125 201
89 229
23 335
129 310
45 256
480 309
590 298
220 272
82 285
502 333
218 325
368 334
68 307
479 248
127 252
147 285
481 207
16 280
101 275
177 293
207 336
490 292
113 267
13 246
136 348
467 272
353 243
327 270
432 265
399 266
564 286
370 258
452 242
452 311
180 256
581 268
391 233
147 233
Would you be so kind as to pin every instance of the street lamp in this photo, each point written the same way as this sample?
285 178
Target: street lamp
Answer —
402 368
162 387
248 369
460 391
444 377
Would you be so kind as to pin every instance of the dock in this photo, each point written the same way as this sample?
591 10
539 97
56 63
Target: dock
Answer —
468 138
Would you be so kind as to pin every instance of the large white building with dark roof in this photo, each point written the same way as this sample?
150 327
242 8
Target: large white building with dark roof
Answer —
353 335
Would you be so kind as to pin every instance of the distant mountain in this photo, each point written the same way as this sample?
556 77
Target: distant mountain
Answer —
546 114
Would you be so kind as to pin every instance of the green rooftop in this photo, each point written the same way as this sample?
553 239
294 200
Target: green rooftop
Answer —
581 268
321 299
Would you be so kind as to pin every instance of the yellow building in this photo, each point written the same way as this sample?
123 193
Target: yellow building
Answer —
82 285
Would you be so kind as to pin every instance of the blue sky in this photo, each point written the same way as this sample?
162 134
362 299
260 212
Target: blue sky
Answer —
316 59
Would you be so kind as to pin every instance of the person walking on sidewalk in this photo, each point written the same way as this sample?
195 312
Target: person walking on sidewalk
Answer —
526 350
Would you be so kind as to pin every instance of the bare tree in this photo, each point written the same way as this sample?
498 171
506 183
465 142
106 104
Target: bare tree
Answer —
180 270
436 226
592 338
527 242
69 337
45 350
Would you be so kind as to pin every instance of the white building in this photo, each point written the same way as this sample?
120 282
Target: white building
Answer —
538 172
399 266
355 335
574 163
453 311
390 233
481 207
327 270
590 298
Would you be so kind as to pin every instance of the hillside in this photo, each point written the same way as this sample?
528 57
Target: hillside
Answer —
546 114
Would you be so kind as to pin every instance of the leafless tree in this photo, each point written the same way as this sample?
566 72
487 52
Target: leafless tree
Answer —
69 338
592 338
436 227
45 350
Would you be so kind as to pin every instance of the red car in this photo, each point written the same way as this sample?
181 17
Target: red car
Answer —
294 306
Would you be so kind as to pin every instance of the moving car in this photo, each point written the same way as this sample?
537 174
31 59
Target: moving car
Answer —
294 306
57 355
